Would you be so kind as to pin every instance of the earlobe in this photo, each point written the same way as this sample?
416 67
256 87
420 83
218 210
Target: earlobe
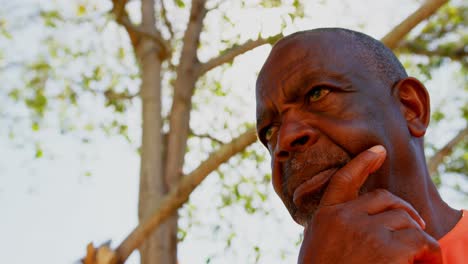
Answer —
414 104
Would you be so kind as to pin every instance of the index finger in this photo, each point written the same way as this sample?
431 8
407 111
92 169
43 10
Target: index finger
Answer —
346 182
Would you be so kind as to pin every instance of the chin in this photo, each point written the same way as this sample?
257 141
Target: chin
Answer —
304 213
310 204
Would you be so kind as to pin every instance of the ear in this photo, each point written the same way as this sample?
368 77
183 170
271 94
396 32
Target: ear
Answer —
414 104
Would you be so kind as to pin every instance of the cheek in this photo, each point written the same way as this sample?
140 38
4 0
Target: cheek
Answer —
355 135
276 179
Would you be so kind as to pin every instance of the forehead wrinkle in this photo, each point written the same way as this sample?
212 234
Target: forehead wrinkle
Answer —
267 90
291 81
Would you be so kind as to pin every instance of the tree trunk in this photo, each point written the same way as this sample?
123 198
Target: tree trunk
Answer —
152 187
158 248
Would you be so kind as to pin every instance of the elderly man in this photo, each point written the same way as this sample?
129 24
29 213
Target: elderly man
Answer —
344 125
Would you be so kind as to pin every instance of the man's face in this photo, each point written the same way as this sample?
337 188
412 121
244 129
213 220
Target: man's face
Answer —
318 106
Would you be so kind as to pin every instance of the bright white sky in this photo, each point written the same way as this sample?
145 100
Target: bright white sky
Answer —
51 209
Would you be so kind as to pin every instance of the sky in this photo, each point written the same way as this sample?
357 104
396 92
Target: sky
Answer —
77 193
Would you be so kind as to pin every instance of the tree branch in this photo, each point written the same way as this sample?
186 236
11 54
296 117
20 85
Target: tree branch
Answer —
120 14
183 91
439 156
113 95
207 136
166 19
457 53
392 39
136 32
180 194
229 54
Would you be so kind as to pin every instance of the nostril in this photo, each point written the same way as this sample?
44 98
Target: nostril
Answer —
300 141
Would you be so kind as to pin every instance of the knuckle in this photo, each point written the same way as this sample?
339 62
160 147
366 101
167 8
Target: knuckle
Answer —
419 239
373 241
344 178
341 217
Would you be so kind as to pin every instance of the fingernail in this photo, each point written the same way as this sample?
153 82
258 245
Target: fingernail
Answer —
375 164
377 149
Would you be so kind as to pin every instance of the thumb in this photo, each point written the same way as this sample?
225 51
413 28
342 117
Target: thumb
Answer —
346 182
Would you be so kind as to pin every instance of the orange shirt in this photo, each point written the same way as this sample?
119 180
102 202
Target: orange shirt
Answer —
454 244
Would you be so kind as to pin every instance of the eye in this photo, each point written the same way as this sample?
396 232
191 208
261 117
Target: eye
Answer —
317 93
269 133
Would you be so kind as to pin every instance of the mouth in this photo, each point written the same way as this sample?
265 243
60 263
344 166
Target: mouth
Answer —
312 185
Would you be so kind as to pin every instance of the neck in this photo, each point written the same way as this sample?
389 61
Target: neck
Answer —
440 218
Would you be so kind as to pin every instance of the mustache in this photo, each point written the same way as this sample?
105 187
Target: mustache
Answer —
300 167
309 163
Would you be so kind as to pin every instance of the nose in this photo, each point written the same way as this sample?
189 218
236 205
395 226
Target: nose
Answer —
294 136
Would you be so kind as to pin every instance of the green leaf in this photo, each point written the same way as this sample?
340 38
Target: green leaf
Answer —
14 94
465 112
3 29
298 8
229 239
270 3
121 53
6 34
40 66
218 89
437 116
38 103
89 127
51 17
257 254
35 126
181 234
81 10
97 73
39 152
180 3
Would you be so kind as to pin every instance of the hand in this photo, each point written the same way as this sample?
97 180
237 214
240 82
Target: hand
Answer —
376 227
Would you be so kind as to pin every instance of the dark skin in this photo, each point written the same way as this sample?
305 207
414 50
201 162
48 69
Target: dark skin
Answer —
347 155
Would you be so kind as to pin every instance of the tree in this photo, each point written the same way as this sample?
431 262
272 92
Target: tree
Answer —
442 41
167 55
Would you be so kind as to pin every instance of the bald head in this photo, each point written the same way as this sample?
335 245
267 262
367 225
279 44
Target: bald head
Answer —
374 56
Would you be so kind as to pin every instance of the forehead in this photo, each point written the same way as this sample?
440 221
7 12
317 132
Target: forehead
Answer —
320 51
307 57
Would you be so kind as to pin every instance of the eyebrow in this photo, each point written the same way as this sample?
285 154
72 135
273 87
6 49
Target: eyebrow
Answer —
294 84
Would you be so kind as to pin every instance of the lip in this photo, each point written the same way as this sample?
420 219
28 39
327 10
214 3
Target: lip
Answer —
312 185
